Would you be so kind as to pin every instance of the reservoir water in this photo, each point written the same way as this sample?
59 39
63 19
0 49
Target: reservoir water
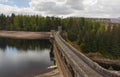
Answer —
24 58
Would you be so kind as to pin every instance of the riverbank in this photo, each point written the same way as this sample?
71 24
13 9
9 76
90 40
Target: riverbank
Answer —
53 73
25 35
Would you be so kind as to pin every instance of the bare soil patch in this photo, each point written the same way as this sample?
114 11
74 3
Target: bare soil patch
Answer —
25 35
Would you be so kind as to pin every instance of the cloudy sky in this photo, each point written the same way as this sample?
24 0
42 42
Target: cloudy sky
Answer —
65 8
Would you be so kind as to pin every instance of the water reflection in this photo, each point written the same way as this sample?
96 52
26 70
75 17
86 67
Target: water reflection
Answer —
24 58
24 44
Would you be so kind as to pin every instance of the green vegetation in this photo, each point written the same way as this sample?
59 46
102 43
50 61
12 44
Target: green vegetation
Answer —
89 35
28 23
94 36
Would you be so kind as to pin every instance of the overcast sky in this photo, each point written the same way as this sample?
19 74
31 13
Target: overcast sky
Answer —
65 8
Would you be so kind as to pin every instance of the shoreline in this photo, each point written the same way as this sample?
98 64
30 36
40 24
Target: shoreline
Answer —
52 73
25 35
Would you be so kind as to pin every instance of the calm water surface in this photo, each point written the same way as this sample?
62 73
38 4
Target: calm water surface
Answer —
24 58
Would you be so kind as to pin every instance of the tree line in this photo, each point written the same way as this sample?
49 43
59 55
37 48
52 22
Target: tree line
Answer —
94 36
91 36
28 23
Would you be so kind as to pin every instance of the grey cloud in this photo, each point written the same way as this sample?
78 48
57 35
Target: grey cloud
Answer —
45 6
60 9
108 6
75 4
52 8
57 7
84 8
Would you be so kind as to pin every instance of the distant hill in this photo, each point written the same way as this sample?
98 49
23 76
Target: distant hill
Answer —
115 20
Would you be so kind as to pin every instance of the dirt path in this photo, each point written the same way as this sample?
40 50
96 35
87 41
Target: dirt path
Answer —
25 35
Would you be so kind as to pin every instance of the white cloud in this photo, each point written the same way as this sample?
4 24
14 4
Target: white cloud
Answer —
104 8
3 1
51 7
87 8
7 10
